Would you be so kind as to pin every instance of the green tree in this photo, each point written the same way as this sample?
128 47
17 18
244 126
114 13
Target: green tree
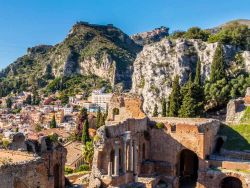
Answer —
9 103
53 122
155 112
35 98
197 33
175 98
164 108
98 118
218 65
188 104
85 132
28 100
88 152
198 91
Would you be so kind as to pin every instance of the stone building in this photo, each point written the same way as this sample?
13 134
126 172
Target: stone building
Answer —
137 152
32 164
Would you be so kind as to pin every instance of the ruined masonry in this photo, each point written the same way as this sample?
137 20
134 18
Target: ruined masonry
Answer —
137 152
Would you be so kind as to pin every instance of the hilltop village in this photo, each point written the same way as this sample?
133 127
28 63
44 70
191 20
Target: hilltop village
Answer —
152 110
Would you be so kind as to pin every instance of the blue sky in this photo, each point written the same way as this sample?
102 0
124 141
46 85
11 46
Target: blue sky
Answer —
26 23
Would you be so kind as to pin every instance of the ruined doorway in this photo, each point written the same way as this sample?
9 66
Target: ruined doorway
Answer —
57 177
188 169
231 182
218 145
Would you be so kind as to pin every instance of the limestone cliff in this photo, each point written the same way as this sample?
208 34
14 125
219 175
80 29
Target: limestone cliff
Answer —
158 63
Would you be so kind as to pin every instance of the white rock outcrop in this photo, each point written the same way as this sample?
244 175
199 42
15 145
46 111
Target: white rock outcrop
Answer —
158 63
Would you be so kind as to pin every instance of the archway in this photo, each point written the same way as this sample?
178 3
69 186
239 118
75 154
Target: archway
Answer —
188 168
218 145
231 182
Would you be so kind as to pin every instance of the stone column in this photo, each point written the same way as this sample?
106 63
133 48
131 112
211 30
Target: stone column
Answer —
124 169
135 160
110 169
116 165
131 155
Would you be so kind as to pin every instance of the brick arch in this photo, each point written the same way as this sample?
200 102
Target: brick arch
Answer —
222 176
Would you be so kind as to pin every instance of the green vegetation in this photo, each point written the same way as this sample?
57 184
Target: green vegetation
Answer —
238 136
88 152
234 34
155 112
246 116
85 132
68 170
69 86
160 125
175 98
8 103
218 65
164 107
53 122
197 33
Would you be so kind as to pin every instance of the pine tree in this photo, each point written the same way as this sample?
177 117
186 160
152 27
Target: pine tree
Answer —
85 132
155 112
188 104
164 108
218 65
53 122
175 98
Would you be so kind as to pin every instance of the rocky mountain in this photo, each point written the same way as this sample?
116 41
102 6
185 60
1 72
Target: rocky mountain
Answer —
158 63
151 36
104 51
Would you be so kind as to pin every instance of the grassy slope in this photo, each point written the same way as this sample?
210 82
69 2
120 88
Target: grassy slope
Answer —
238 136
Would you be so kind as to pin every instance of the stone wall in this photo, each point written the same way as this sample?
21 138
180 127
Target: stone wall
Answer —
40 164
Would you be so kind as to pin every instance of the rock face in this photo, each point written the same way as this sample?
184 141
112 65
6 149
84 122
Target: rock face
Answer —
158 63
150 36
235 110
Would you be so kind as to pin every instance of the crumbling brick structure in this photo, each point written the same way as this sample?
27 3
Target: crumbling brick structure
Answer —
136 152
32 164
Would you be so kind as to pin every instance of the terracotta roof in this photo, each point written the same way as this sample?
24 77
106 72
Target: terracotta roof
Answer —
74 152
59 131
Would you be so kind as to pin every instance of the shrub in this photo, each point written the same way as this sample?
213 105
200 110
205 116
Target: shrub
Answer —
68 170
160 125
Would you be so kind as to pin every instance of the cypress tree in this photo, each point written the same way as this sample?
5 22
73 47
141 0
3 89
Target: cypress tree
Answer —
197 79
175 98
53 122
155 112
198 91
28 100
85 132
188 104
98 118
218 65
164 108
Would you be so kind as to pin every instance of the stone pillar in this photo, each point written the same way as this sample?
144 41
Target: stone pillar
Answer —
131 155
124 169
110 169
135 161
116 165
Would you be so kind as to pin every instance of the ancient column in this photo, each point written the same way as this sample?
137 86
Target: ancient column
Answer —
116 167
110 169
135 161
124 169
131 155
